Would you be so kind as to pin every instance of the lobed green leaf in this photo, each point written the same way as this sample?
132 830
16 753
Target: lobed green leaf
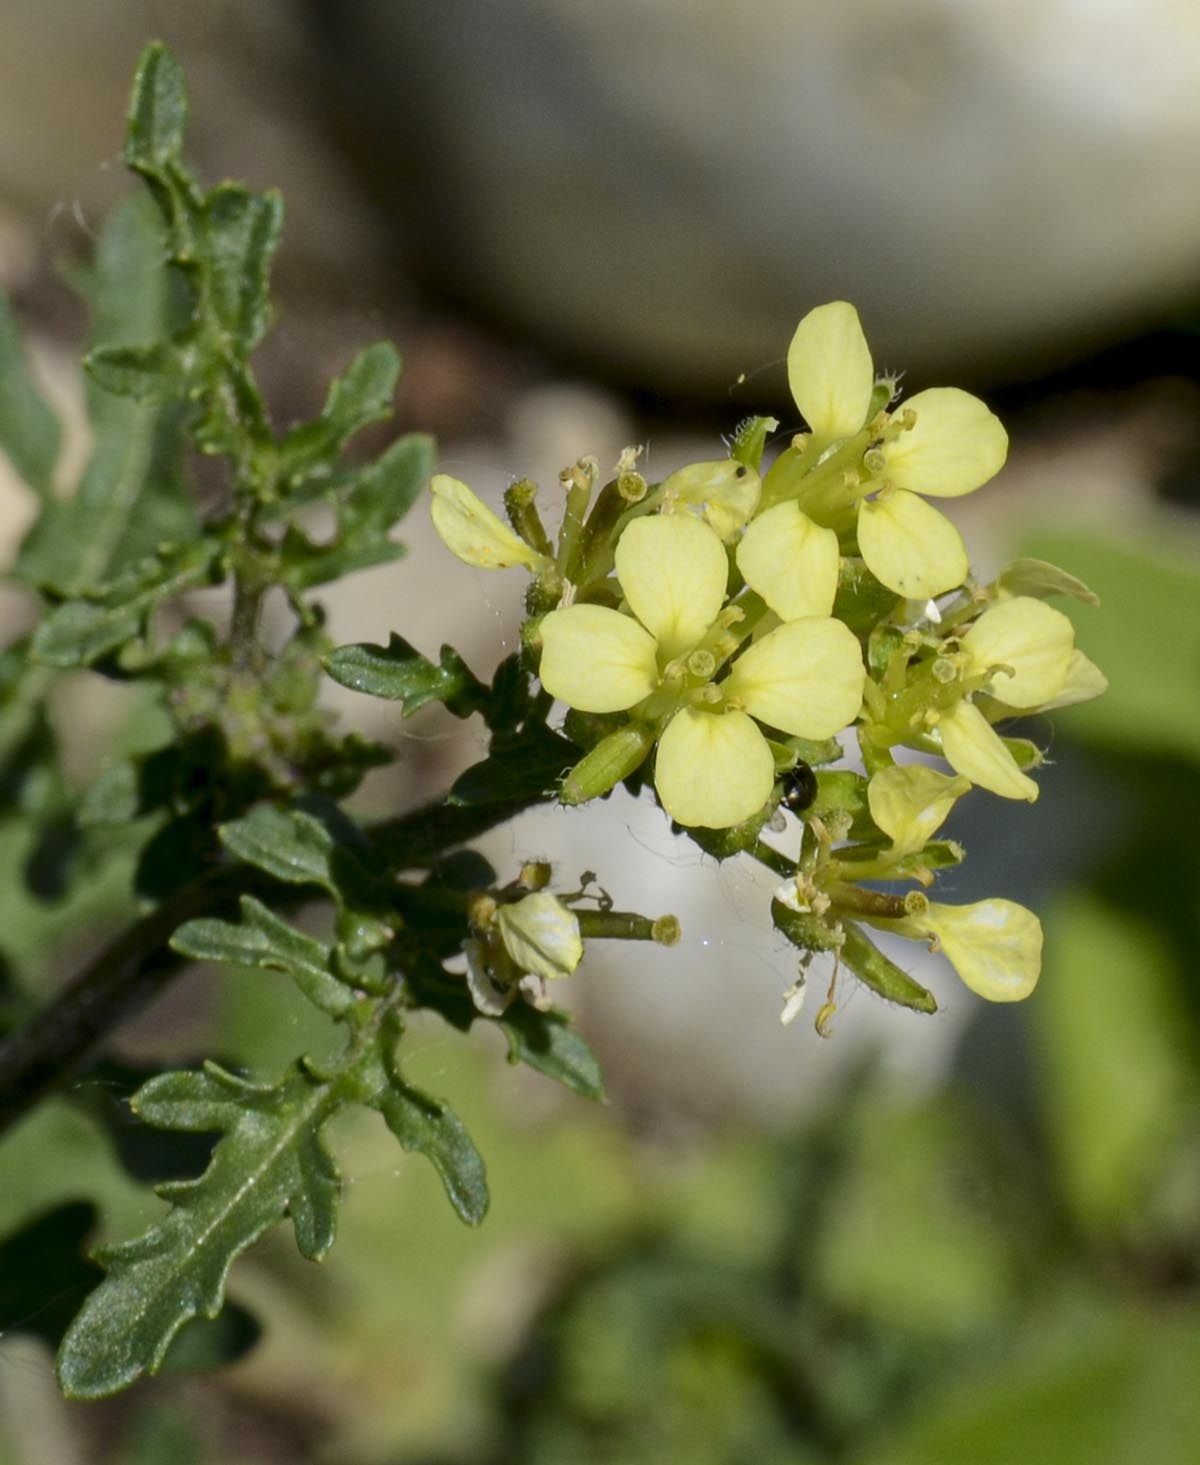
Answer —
132 496
241 231
400 673
80 631
153 373
271 1162
286 843
158 111
431 1128
549 1042
264 940
519 767
367 507
363 394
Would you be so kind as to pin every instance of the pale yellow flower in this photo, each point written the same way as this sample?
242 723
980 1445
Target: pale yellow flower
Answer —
974 748
1028 643
791 562
994 945
725 491
1026 651
954 445
910 803
470 530
714 766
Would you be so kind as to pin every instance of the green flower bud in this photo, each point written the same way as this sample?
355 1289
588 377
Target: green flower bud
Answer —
612 759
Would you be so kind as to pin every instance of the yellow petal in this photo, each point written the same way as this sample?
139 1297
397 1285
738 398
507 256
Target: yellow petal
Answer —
955 447
1029 636
470 530
994 945
673 570
805 678
726 491
541 935
1084 681
910 803
910 547
713 769
973 748
791 562
596 659
830 371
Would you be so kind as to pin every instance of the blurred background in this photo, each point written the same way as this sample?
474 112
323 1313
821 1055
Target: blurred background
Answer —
971 1239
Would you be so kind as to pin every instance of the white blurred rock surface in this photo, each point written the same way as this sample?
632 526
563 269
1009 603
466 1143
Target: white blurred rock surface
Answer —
667 184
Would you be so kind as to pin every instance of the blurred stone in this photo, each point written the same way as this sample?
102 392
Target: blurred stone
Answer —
661 190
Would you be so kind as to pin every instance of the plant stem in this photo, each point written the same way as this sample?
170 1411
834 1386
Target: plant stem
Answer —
243 625
115 984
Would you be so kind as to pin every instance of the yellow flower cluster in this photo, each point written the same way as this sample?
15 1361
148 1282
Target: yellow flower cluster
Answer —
728 620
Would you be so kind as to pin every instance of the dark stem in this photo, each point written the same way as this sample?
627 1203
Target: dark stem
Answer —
243 626
115 984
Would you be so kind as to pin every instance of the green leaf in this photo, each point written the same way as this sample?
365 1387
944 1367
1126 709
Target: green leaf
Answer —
271 1162
133 495
548 1042
882 974
290 845
1142 643
103 1091
400 673
1041 579
376 499
158 111
113 799
303 564
1113 1041
362 395
242 232
263 940
78 632
525 766
431 1128
1099 1385
145 373
29 431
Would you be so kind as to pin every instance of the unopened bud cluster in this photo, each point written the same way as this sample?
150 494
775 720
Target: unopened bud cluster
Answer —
727 626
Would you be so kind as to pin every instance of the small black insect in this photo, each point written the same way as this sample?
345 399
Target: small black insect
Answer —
799 789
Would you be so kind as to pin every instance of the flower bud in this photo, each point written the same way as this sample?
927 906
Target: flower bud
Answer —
612 759
541 935
727 491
